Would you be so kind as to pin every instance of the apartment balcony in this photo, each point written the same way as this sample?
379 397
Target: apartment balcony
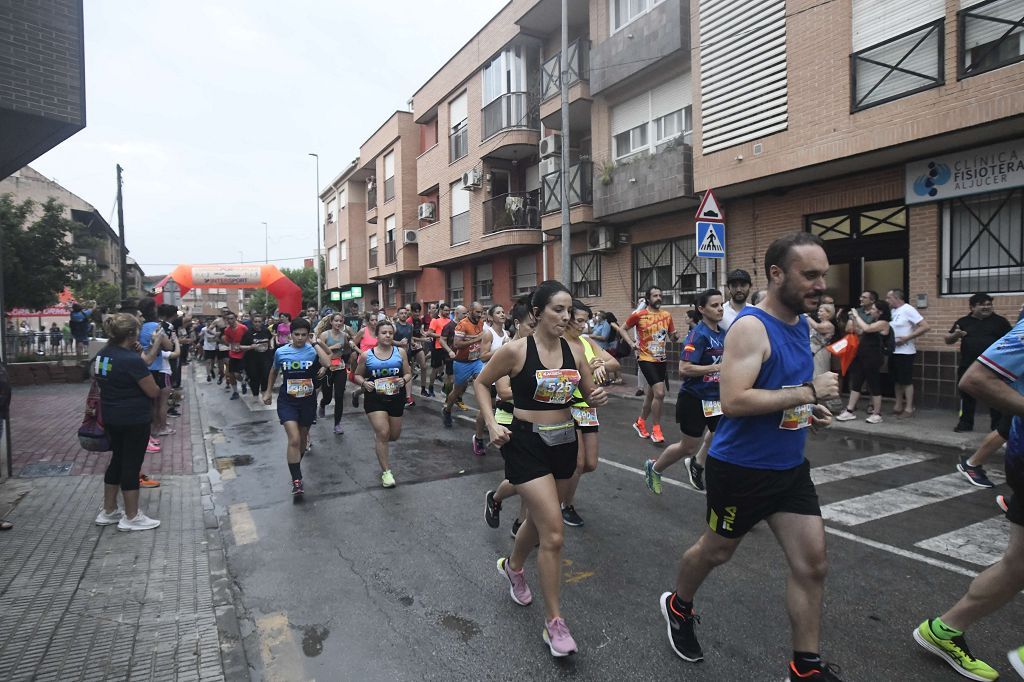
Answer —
371 259
390 253
511 111
578 87
581 196
646 184
468 236
371 205
512 211
641 45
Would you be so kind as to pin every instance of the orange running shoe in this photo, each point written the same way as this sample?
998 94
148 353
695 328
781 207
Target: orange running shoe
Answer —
147 482
641 428
656 434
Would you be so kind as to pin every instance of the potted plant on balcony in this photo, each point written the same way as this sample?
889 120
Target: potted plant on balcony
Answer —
606 171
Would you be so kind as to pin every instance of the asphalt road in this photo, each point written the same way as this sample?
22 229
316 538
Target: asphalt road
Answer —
360 583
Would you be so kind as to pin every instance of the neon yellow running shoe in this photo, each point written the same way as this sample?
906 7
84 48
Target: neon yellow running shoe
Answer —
652 478
387 479
954 652
1017 660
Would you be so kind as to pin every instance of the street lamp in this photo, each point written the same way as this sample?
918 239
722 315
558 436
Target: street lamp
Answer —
266 243
316 265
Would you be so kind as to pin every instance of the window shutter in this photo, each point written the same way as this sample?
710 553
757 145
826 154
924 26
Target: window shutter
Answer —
980 32
875 21
459 198
389 165
670 96
631 113
457 110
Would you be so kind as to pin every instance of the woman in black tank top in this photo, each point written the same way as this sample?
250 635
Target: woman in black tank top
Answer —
539 447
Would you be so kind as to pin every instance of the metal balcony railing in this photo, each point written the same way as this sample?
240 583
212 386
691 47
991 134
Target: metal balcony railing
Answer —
897 67
581 187
371 261
458 143
390 253
511 110
371 198
578 68
512 211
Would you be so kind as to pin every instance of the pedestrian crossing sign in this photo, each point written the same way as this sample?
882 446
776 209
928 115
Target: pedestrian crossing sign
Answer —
710 239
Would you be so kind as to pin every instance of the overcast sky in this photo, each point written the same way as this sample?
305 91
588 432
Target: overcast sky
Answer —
212 107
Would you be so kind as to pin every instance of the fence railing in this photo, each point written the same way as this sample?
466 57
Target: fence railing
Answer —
39 346
581 187
578 68
512 211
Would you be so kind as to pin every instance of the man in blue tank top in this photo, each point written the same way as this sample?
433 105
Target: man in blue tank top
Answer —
756 470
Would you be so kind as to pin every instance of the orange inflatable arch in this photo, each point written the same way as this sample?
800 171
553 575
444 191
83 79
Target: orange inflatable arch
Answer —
287 292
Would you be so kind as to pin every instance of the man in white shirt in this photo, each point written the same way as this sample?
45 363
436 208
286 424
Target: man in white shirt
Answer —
907 324
739 283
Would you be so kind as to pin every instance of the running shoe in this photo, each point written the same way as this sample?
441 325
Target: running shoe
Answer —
479 446
557 637
321 411
430 393
679 625
656 435
696 473
387 479
570 517
1002 503
461 405
874 419
209 377
298 488
220 380
309 445
640 392
1016 658
954 652
152 448
244 389
515 527
517 587
147 482
425 393
641 428
355 399
963 428
492 510
409 401
105 519
234 395
338 430
140 522
824 672
446 417
651 477
845 416
975 475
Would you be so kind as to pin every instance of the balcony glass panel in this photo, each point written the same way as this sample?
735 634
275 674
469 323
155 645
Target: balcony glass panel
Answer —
512 211
389 189
371 261
511 110
390 253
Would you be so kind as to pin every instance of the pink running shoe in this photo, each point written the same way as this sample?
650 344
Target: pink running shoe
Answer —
518 588
558 639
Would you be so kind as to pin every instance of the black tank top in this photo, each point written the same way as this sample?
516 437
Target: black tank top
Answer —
538 388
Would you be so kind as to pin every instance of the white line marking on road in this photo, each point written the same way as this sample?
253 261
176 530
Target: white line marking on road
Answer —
865 465
884 503
981 543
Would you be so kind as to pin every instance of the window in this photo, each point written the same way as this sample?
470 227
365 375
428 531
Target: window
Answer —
625 11
409 290
524 275
455 287
671 266
332 257
459 199
506 103
332 211
390 254
390 295
671 126
631 142
342 201
458 127
991 35
428 135
483 284
343 249
649 121
372 261
586 275
983 243
389 176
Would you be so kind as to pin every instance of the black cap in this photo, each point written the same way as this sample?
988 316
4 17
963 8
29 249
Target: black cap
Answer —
738 275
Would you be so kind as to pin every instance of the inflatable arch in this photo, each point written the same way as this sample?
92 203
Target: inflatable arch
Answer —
287 292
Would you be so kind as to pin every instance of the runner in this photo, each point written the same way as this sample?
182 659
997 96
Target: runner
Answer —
698 406
222 347
997 379
284 329
654 328
404 339
539 446
296 402
260 359
585 416
337 341
756 469
422 344
233 334
209 334
469 334
383 372
364 340
441 354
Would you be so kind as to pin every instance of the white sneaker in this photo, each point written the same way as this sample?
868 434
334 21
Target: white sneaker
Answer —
140 522
874 419
105 519
845 416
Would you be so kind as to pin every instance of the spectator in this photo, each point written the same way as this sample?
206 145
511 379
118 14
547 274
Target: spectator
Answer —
823 332
867 365
907 325
867 299
739 284
79 323
66 336
975 332
55 338
602 332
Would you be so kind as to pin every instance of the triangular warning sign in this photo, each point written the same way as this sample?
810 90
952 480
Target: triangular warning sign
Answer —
710 243
709 208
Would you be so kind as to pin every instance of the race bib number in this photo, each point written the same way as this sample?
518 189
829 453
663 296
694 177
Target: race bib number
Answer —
584 416
712 408
555 386
299 388
796 418
656 349
387 385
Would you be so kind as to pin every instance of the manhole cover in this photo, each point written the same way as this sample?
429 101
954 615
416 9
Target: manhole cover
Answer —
43 469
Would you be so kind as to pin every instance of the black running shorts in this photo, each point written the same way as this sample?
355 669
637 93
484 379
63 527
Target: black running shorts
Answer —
739 498
236 365
654 372
690 416
901 369
438 356
394 405
527 457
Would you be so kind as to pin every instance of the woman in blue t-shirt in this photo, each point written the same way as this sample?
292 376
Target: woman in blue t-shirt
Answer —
127 393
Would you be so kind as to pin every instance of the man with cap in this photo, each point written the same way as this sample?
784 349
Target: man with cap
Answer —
738 282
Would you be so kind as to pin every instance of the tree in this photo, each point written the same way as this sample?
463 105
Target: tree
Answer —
39 259
263 302
306 279
92 288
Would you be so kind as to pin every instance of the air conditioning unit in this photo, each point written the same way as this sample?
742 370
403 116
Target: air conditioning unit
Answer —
410 236
600 238
550 165
427 210
471 179
550 145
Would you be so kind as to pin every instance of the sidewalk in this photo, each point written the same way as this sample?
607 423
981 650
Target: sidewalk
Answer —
79 601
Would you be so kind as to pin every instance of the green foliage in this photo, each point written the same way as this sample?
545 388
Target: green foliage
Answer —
92 288
306 279
39 259
263 302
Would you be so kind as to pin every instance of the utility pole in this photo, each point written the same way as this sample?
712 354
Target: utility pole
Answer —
563 78
266 243
319 284
120 232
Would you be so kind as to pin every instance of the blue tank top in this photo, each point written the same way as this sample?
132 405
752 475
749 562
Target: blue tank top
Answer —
298 368
763 441
385 373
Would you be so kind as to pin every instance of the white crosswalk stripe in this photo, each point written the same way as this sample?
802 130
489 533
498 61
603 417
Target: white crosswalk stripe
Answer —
980 543
865 465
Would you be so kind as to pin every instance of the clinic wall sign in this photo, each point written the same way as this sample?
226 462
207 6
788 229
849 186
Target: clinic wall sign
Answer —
975 171
222 275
